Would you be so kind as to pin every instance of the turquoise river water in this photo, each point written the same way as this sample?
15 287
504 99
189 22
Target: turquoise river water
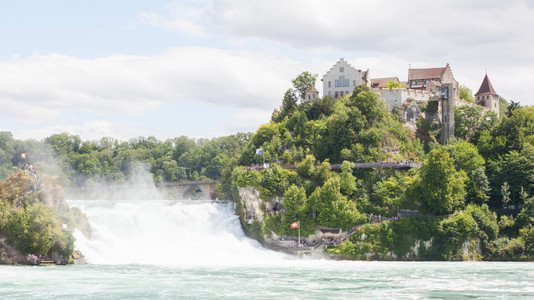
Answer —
162 249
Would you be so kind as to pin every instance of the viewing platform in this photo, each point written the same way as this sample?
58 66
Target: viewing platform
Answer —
373 165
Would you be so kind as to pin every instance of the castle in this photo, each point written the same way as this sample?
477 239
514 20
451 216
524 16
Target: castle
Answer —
423 85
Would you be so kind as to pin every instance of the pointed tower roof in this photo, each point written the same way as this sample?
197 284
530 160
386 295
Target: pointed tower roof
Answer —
486 88
312 89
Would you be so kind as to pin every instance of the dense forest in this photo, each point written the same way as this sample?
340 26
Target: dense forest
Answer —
477 191
78 163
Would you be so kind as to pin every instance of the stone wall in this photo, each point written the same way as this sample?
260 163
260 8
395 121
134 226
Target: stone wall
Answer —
397 96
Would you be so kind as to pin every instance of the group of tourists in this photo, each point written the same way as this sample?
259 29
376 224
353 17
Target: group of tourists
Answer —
382 218
398 163
30 169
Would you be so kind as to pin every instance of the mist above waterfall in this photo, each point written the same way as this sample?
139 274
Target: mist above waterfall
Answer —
167 232
138 186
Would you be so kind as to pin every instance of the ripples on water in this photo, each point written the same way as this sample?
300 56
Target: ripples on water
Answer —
177 250
292 280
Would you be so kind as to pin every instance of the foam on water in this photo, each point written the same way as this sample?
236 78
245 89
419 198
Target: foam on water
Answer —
167 232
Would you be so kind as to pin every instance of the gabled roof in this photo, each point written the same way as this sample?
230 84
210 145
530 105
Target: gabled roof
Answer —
380 83
486 88
428 73
343 61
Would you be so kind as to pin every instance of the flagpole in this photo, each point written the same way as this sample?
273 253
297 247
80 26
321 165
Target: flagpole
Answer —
299 232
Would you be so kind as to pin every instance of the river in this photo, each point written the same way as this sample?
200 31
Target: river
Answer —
162 249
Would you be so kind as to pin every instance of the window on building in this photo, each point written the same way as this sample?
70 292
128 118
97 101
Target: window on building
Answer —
354 83
341 82
336 95
329 84
341 69
341 93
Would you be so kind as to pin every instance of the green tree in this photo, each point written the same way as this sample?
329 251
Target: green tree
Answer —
333 209
295 204
306 168
367 103
440 188
393 84
466 94
303 82
511 107
469 121
7 153
503 107
347 180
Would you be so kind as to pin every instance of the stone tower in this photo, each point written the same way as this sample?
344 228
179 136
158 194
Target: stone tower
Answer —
311 94
449 94
487 97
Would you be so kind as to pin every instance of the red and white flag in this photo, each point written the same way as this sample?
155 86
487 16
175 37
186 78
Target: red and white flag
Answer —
295 224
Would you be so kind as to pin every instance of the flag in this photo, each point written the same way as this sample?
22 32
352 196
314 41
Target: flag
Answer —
295 224
259 151
23 155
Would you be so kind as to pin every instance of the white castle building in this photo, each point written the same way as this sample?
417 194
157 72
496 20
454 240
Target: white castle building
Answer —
342 78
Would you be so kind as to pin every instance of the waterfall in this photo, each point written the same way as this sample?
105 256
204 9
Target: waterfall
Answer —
167 232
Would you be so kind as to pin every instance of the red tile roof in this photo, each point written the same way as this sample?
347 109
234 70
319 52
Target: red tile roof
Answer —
486 88
428 73
312 89
380 83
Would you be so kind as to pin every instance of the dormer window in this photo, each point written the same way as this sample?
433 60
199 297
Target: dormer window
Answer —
341 69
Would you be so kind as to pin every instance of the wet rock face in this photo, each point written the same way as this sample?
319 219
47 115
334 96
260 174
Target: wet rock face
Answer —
251 202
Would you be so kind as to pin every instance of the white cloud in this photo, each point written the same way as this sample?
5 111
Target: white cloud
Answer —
157 20
181 16
40 90
132 84
88 130
471 35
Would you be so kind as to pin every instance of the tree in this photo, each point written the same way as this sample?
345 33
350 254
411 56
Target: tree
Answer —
466 94
295 204
466 156
511 107
392 84
505 193
503 107
469 121
440 188
367 103
7 153
303 82
334 210
347 180
306 168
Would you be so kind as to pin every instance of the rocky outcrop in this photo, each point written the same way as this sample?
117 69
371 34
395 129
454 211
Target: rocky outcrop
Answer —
9 255
251 203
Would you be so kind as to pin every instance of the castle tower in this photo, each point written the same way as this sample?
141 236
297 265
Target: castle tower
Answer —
487 97
311 94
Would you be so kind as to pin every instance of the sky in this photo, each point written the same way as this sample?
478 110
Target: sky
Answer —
210 68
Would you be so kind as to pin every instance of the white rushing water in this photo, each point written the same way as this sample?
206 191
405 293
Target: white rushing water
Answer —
166 232
159 249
